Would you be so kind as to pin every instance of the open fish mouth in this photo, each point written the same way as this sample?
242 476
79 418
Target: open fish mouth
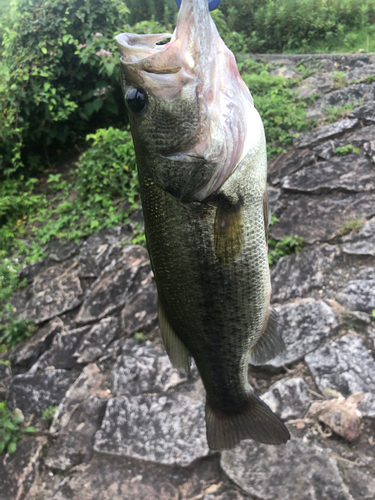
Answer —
196 57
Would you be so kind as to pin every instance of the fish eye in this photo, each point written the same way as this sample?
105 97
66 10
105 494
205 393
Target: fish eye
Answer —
136 100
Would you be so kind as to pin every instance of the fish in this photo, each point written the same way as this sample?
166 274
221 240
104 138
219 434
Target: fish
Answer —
201 158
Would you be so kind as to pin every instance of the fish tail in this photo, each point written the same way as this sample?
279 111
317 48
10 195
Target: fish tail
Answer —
256 421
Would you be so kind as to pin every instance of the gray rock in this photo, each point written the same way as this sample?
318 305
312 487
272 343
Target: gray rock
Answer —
166 429
361 73
115 478
143 368
314 114
288 163
60 250
141 311
284 73
347 173
273 196
361 482
33 393
362 243
325 150
367 405
91 383
359 294
29 271
300 274
356 94
318 218
369 150
364 113
115 285
100 248
288 398
61 353
344 365
19 471
54 291
228 495
95 342
5 376
74 443
357 138
27 353
304 325
308 139
320 83
295 471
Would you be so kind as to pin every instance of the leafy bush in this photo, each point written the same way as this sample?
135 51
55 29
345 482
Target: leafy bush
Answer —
62 76
14 330
108 168
346 150
286 246
11 429
49 413
278 25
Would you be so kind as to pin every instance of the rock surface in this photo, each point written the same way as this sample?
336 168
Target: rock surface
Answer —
130 426
344 365
296 471
159 428
304 325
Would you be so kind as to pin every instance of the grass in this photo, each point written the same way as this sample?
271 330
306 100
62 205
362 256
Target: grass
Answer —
350 226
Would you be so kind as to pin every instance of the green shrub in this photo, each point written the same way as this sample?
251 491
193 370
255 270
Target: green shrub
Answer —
108 168
346 150
62 76
286 246
49 413
11 428
14 329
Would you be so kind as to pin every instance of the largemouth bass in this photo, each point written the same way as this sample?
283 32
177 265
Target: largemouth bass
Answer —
201 156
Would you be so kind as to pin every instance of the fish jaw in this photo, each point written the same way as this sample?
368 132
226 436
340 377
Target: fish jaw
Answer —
194 70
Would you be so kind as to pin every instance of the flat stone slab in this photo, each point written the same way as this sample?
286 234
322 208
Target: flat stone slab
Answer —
294 471
367 405
115 286
354 173
54 291
361 73
344 365
359 294
288 163
95 342
18 472
33 393
357 138
300 274
27 353
114 478
363 242
356 94
60 250
166 429
318 218
364 113
304 325
100 248
143 368
75 441
288 398
308 139
320 83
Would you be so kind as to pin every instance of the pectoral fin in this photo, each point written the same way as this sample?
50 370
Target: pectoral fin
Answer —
176 350
270 344
229 231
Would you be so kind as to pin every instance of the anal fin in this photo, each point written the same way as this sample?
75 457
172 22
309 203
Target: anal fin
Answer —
176 349
270 344
256 421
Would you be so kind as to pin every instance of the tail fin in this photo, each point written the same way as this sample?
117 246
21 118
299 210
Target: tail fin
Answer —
257 421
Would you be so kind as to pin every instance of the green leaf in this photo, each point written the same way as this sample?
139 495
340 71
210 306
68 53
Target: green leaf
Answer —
29 429
12 447
44 50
